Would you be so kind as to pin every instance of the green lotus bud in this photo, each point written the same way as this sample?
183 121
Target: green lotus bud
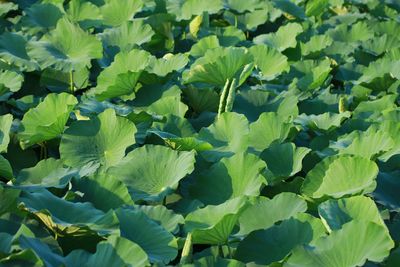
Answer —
231 96
342 104
222 98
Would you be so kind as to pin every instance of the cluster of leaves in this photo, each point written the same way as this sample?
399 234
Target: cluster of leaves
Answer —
199 133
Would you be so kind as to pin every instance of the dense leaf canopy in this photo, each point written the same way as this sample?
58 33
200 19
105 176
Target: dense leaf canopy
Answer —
200 133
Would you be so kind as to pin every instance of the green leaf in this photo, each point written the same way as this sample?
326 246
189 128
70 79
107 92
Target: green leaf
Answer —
64 217
159 244
116 12
264 213
338 212
42 250
338 176
66 48
212 261
327 121
219 65
5 168
315 44
200 48
13 51
146 179
283 160
290 8
275 243
47 120
167 64
268 128
228 135
118 251
85 13
121 76
98 187
270 62
5 126
315 8
386 190
47 173
243 6
128 35
41 16
8 200
102 139
163 216
182 143
366 144
7 7
185 10
214 224
10 82
373 243
282 39
232 177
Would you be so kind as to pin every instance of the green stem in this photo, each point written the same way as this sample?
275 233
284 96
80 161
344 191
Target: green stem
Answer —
222 98
230 252
43 151
71 81
236 21
206 20
186 256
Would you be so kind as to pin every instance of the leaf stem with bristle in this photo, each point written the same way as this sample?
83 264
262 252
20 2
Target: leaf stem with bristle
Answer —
71 81
186 256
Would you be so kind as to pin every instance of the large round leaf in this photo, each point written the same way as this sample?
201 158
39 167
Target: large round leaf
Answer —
5 168
337 176
127 35
366 144
220 64
184 10
117 251
231 177
228 135
386 192
275 243
64 217
282 39
5 126
338 212
13 51
158 243
151 172
121 76
99 187
269 127
66 48
283 160
269 61
264 213
47 173
116 12
167 64
10 82
325 122
165 217
85 13
214 224
102 139
47 120
373 243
